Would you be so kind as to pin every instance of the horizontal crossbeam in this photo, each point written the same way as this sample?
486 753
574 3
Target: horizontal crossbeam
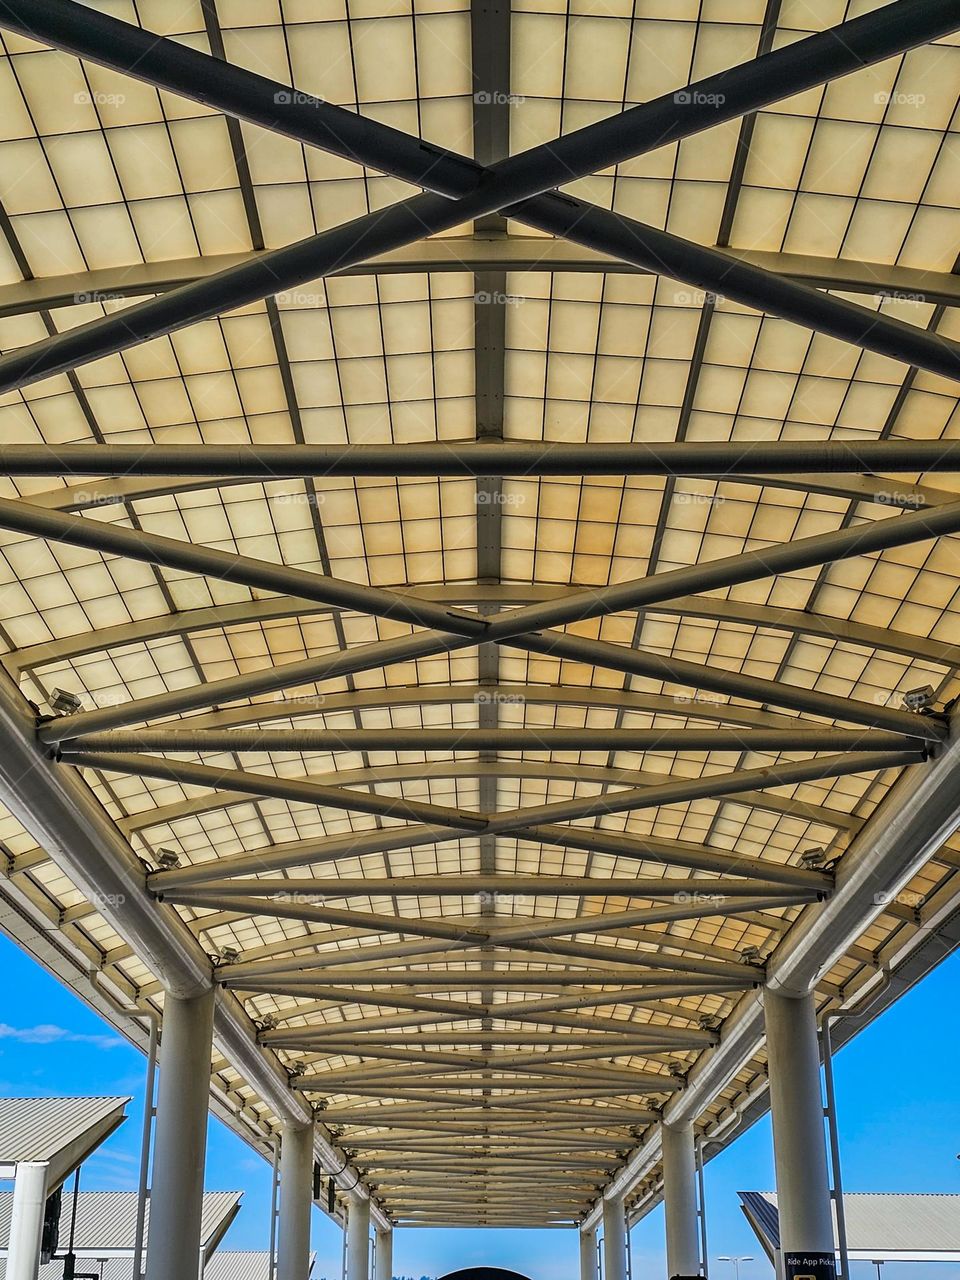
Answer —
710 459
475 253
499 739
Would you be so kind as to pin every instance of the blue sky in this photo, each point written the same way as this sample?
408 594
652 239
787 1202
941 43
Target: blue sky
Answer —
898 1101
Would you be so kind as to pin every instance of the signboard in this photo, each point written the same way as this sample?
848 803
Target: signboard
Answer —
809 1266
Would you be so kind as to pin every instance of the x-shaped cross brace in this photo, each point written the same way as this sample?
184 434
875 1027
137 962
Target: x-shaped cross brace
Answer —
459 190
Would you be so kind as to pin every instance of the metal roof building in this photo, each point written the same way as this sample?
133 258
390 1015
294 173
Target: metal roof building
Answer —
239 1264
60 1132
880 1227
105 1229
479 575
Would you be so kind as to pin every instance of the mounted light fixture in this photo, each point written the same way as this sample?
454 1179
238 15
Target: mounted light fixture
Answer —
920 699
65 703
814 858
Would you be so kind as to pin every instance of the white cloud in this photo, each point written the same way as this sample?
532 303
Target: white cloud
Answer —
49 1033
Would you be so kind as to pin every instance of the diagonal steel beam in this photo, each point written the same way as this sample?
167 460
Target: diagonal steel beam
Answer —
512 625
632 800
528 1109
677 853
487 1142
533 1077
267 609
594 1024
493 1064
677 889
373 1058
298 853
155 548
606 922
309 1038
317 950
519 1089
479 934
526 819
627 800
172 814
313 969
525 1011
592 957
683 953
293 788
389 1116
633 1033
356 844
119 490
512 1077
416 926
474 979
701 676
210 801
478 191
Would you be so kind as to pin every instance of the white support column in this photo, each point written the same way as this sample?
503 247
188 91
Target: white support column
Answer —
680 1199
358 1239
614 1239
176 1194
296 1201
800 1148
26 1222
384 1256
589 1269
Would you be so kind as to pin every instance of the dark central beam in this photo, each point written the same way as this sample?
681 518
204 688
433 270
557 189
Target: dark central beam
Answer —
711 459
547 739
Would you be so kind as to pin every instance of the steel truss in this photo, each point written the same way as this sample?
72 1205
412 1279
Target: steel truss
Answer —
573 1071
470 191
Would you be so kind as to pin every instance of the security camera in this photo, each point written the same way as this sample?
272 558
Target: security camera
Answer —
919 699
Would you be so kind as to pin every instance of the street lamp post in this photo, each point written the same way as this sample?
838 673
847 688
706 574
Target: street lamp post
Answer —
725 1257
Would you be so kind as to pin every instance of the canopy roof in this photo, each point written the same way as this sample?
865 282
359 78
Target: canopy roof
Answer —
695 419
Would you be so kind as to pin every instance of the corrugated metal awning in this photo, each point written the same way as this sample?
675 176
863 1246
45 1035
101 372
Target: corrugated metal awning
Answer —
881 1227
106 1221
60 1131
